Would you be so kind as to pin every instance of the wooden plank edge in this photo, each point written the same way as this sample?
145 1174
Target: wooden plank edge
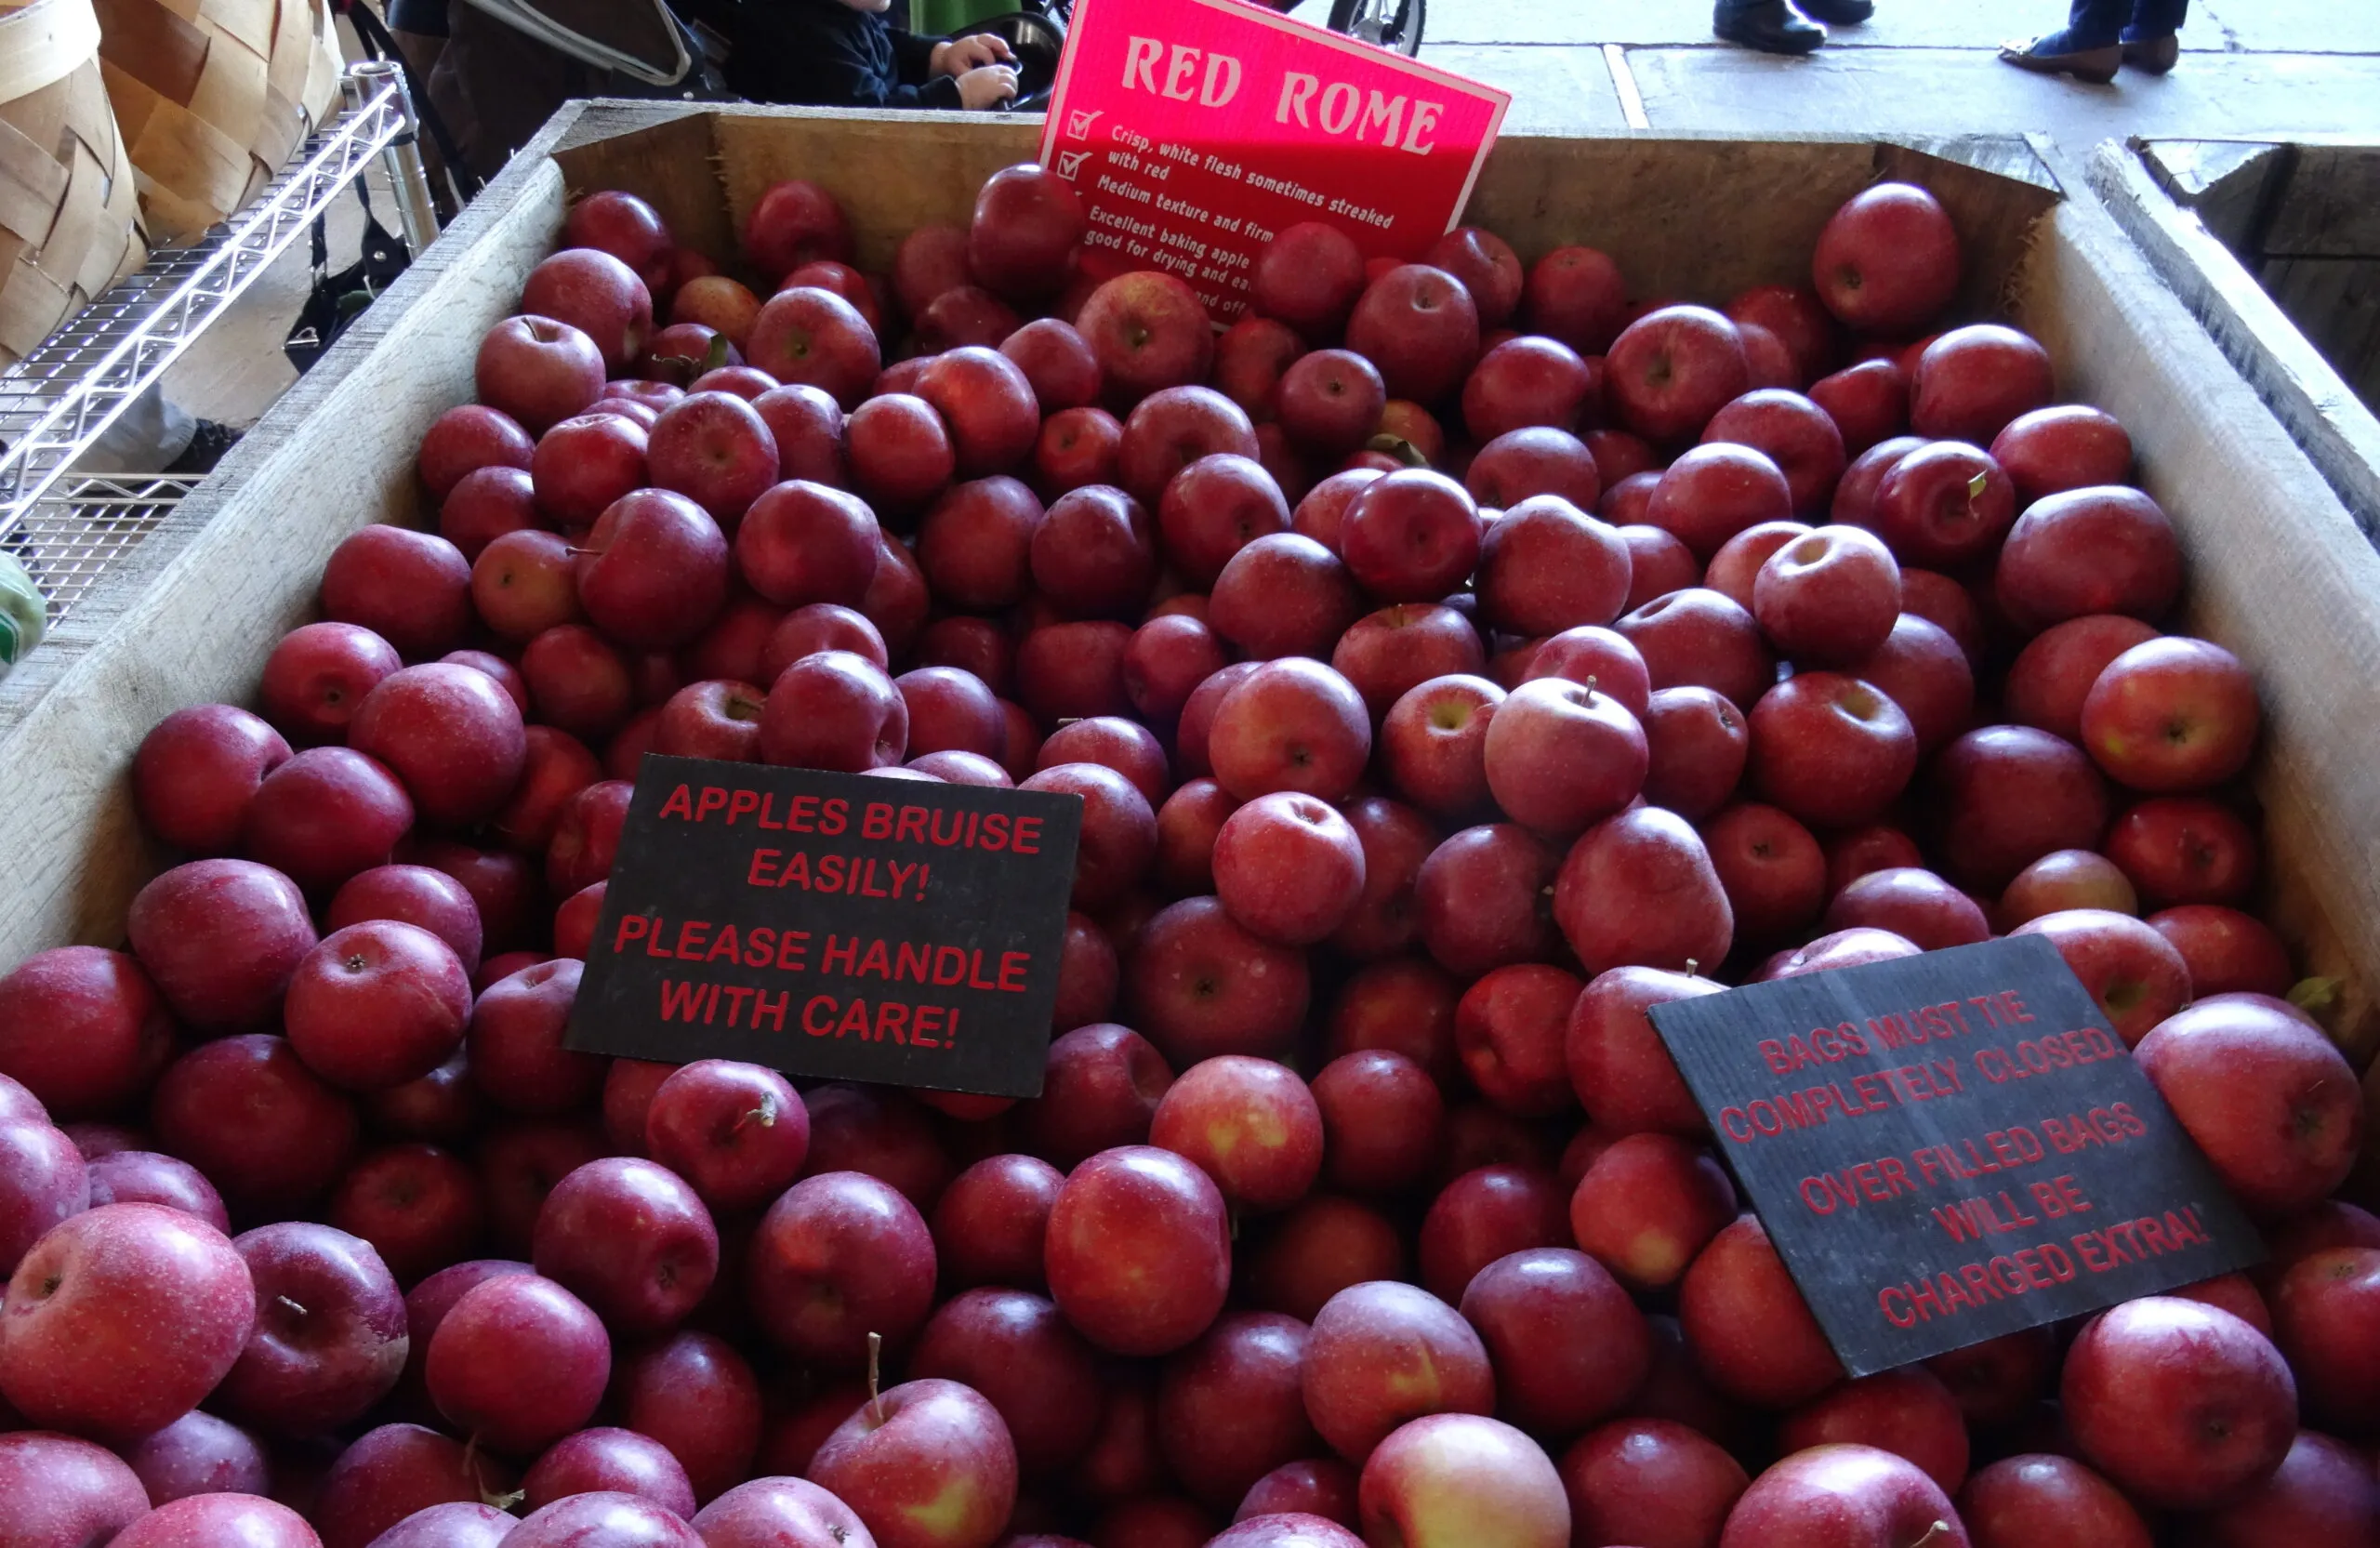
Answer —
2126 342
2337 432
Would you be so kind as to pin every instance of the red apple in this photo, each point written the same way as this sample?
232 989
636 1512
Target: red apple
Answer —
1077 447
2178 1403
1482 897
1696 745
899 450
1214 507
540 370
1201 985
838 1256
2184 849
2137 977
2049 450
1887 261
1673 369
1283 595
220 939
714 448
834 709
1603 896
1829 598
1381 1354
2225 950
1560 756
1569 1346
2048 1501
1420 326
1650 1481
1455 1479
811 337
1714 492
793 223
1524 381
1971 382
1434 739
1748 1328
77 1349
1869 402
1533 461
2008 795
1149 331
1292 724
410 588
2269 1100
1577 295
1772 868
1390 652
1844 1496
1830 749
1139 1255
1308 275
1913 904
2098 550
1944 504
451 733
1100 1089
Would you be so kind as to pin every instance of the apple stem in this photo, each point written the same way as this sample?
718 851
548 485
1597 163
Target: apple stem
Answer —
1940 1529
291 1304
875 1397
1693 968
765 1115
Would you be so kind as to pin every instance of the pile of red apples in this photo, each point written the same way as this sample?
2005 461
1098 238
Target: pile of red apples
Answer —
1453 659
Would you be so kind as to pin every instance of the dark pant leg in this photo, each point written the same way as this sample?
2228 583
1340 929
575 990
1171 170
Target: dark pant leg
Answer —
2095 23
2156 19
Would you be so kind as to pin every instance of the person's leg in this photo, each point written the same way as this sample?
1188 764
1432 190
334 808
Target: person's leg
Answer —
1841 13
2087 47
1771 26
2152 42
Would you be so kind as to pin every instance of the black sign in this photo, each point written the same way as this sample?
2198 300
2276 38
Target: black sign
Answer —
1952 1146
833 925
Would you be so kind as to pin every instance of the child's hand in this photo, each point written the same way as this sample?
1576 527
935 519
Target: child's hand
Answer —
986 85
971 52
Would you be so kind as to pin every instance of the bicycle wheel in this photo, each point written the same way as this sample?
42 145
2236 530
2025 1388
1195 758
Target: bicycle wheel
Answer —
1393 24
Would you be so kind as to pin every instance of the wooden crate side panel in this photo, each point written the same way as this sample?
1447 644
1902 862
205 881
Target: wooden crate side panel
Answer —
190 617
2330 207
2278 572
2230 183
1658 206
671 164
2339 434
892 172
2336 303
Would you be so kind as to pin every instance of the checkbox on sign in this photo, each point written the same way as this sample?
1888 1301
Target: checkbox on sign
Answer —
1079 124
1070 163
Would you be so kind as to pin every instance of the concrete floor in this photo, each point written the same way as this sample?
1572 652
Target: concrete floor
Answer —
2289 67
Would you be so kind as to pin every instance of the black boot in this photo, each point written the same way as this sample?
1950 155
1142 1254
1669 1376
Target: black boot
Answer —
1840 13
1773 27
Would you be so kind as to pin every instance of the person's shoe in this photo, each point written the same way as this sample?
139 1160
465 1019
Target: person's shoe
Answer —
2156 55
1839 13
2056 54
1774 27
207 445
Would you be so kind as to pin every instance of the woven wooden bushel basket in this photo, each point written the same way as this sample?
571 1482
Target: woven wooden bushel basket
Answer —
213 95
70 221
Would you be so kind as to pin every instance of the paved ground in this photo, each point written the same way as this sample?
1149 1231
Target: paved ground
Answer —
2292 67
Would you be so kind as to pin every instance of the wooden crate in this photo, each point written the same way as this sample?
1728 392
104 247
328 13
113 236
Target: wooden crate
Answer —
2279 570
2275 248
